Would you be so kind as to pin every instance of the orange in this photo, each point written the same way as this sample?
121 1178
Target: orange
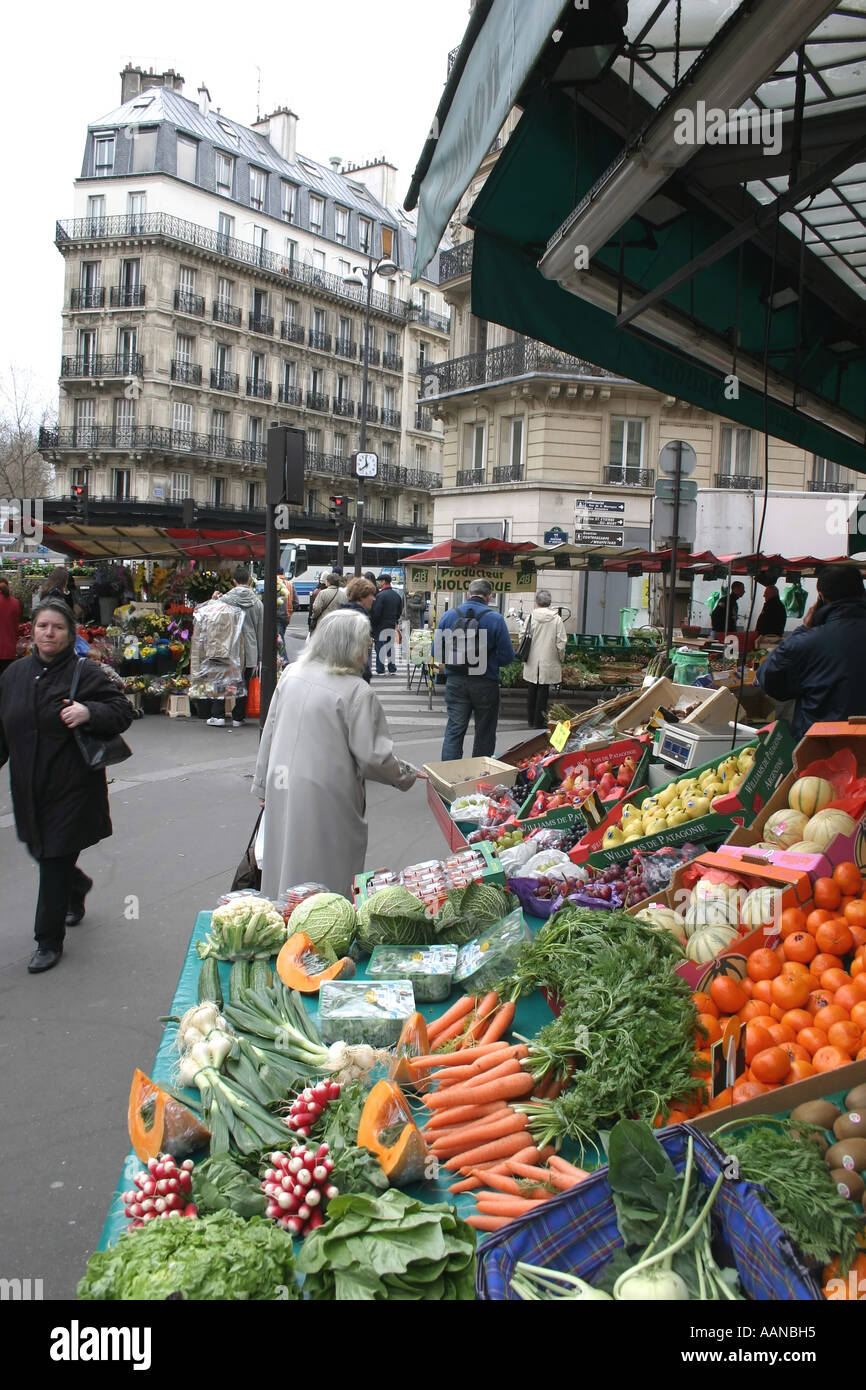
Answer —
792 920
858 966
797 1019
796 969
776 1012
848 877
834 979
835 936
764 964
800 1071
816 917
722 1101
754 1009
849 995
813 1039
796 1052
771 1066
781 1033
828 1058
858 933
704 1004
830 1014
710 1025
748 1090
861 1055
746 985
790 992
827 893
800 946
855 913
762 990
845 1036
758 1039
819 999
726 993
858 1015
824 961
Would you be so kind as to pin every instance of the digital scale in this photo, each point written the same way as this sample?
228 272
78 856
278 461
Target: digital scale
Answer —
684 746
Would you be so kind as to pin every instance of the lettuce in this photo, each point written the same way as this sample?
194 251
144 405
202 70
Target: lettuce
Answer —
328 920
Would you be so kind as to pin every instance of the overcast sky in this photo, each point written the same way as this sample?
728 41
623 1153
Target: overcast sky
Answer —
364 79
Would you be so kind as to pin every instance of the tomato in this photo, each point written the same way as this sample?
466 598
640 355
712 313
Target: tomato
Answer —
704 1004
771 1066
748 1090
829 1058
827 893
831 1013
790 991
764 964
834 979
834 936
792 920
812 1039
844 1035
824 961
758 1039
708 1030
797 1019
726 993
848 877
801 947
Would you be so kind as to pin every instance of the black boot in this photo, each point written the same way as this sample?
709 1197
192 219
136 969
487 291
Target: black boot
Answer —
46 958
76 904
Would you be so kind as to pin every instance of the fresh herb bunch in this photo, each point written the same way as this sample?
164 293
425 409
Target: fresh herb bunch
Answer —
222 1183
798 1188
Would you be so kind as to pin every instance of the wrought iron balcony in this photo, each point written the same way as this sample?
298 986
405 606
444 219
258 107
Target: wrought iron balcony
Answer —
223 381
373 356
344 347
187 372
391 418
740 481
226 313
151 439
335 465
99 364
508 473
317 401
291 332
470 477
372 412
127 296
423 419
258 388
322 341
261 323
393 361
440 322
456 262
342 407
88 299
290 395
190 234
188 303
825 485
522 358
629 477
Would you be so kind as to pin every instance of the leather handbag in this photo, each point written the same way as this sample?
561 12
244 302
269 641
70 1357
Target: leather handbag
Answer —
248 874
97 752
523 650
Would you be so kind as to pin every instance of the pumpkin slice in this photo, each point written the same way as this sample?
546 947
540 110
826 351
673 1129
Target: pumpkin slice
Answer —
160 1124
300 967
412 1042
388 1130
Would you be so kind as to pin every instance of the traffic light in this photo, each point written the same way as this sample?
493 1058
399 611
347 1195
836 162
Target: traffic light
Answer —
79 497
339 508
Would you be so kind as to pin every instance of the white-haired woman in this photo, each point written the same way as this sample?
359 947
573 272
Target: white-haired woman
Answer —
326 735
544 665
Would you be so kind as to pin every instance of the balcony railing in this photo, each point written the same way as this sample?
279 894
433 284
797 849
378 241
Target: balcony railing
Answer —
408 477
456 262
88 299
373 356
291 332
470 477
335 465
188 303
440 322
825 485
223 381
226 313
127 296
322 341
423 420
344 347
151 439
629 477
522 358
391 418
100 364
342 407
372 412
316 400
508 473
258 388
261 323
740 481
393 361
163 224
187 372
291 395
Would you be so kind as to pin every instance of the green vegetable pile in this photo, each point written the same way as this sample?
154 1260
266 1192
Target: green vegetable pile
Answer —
355 1170
242 929
223 1184
798 1188
627 1024
218 1257
387 1248
395 917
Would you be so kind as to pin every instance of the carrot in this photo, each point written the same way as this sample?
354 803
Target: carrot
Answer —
500 1182
463 1007
484 1133
501 1023
558 1085
476 1093
448 1034
447 1119
528 1155
508 1206
497 1148
509 1067
486 1223
483 1014
448 1076
568 1169
525 1170
562 1182
454 1059
466 1185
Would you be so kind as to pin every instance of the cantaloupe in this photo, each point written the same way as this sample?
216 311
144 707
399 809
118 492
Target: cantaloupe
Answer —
810 794
709 942
785 827
760 905
804 847
823 828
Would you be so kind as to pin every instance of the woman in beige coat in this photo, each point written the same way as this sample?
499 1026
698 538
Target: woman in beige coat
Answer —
326 735
544 666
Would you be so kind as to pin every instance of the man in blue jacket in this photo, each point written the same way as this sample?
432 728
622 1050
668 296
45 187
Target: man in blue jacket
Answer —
822 665
385 614
475 639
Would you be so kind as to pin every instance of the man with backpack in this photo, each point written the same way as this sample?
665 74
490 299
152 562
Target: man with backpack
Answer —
474 643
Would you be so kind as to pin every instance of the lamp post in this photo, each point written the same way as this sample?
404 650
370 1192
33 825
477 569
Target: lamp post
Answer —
387 268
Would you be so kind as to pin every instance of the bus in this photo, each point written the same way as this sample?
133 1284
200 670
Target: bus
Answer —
302 556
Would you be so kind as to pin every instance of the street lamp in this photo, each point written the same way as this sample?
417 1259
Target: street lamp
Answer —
361 275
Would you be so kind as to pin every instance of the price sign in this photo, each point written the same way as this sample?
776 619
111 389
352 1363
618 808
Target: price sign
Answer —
728 1057
559 737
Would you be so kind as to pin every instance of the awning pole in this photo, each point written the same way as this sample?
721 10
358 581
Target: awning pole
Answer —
432 679
676 542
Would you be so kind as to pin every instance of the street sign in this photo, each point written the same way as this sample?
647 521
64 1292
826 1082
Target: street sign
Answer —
665 488
598 505
663 522
593 519
599 537
670 453
555 536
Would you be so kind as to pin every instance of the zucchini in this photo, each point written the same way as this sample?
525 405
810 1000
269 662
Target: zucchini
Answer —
239 979
260 974
209 990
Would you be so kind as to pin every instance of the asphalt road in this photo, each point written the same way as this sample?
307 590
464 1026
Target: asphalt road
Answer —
70 1039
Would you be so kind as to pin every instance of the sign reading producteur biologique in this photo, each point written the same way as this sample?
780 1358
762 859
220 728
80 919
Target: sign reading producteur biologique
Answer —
457 578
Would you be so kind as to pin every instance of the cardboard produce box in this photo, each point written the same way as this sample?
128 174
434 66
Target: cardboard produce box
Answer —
715 707
462 776
787 1098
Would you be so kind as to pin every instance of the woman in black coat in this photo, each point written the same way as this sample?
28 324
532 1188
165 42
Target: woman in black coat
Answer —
60 806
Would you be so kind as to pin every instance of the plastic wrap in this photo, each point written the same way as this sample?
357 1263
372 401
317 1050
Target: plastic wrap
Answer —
483 962
289 900
512 859
527 891
361 1012
430 968
216 650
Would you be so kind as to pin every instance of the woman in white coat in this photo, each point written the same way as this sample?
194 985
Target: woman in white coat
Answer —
544 665
326 734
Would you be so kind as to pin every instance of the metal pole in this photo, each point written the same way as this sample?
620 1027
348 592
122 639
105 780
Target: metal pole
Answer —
585 598
269 619
341 544
675 546
365 377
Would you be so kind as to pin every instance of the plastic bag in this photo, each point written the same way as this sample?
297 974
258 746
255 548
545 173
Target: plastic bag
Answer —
526 892
795 599
216 650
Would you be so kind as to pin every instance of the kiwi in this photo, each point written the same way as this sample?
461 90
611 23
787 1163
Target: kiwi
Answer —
851 1126
856 1099
849 1185
848 1153
817 1112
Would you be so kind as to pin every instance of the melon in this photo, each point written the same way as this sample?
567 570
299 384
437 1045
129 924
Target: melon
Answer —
810 794
785 827
823 828
708 943
710 912
804 847
760 905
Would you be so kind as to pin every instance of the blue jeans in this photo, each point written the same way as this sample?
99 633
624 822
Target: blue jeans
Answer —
465 696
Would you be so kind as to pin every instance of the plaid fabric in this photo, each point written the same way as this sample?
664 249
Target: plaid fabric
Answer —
576 1233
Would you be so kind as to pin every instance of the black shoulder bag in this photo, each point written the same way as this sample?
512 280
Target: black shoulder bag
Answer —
248 874
522 653
97 752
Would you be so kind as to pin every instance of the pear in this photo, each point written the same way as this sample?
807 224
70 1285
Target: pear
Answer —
667 795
